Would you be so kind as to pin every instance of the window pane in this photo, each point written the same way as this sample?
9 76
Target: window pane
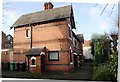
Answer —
53 55
28 33
70 55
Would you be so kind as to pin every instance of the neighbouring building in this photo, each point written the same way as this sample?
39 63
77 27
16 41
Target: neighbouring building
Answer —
6 50
87 50
44 40
3 40
9 42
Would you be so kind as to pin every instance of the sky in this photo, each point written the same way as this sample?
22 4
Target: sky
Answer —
86 15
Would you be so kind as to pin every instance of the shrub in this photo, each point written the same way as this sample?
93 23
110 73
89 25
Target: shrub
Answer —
106 71
102 72
113 65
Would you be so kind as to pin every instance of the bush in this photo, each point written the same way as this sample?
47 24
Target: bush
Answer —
106 71
102 72
113 65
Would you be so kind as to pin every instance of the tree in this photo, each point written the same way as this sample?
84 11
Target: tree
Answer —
100 45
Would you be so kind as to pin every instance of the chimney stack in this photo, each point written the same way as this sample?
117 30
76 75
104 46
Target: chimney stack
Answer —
48 5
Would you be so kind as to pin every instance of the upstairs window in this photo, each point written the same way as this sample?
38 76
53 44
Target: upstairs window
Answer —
70 53
27 32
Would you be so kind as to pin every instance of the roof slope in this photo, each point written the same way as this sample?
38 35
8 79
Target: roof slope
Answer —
35 51
45 15
80 37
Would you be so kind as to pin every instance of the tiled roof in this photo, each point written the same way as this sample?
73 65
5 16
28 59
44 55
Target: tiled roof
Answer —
35 51
87 43
81 38
45 15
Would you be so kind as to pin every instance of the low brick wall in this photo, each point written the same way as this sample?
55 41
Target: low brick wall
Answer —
35 69
59 67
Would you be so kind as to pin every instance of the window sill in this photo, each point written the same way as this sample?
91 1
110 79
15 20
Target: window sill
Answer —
27 37
32 65
53 59
71 63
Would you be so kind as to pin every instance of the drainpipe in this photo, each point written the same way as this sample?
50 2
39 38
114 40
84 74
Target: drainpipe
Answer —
30 37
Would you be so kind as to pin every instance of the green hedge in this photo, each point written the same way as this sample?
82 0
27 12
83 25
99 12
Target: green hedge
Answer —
106 71
102 72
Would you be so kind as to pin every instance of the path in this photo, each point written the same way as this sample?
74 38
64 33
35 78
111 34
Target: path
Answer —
84 72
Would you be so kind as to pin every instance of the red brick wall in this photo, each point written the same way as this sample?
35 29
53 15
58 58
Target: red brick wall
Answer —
36 69
54 36
6 56
81 47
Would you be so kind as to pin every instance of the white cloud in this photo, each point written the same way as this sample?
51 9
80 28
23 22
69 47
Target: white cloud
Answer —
93 12
101 23
9 17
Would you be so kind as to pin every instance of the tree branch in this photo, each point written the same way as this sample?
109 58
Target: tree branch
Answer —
112 10
103 9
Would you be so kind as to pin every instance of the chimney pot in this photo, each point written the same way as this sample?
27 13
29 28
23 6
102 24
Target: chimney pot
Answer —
48 5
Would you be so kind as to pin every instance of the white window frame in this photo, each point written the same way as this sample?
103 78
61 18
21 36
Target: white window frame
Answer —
31 60
69 30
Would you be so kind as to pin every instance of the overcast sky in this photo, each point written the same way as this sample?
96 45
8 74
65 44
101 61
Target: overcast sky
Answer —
87 16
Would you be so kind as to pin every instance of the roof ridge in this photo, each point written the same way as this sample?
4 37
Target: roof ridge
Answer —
46 10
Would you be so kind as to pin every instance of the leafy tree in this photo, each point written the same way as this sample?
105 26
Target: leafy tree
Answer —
100 47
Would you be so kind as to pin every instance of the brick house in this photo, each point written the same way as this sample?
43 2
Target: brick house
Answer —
45 40
6 47
3 40
9 41
6 50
